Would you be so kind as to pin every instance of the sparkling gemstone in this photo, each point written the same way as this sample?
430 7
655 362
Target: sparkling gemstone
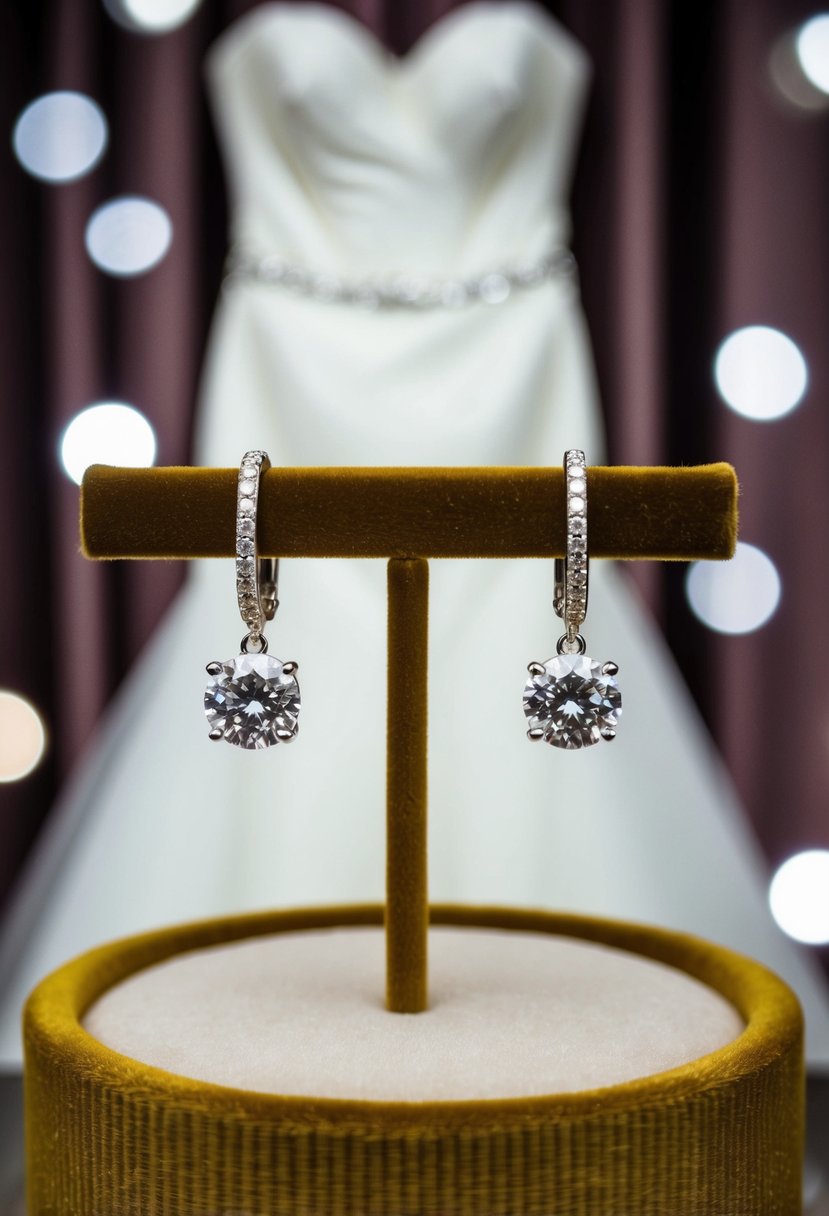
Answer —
253 701
244 547
367 296
494 288
325 287
247 527
408 289
247 486
577 504
272 269
529 274
572 702
577 485
453 294
246 505
245 566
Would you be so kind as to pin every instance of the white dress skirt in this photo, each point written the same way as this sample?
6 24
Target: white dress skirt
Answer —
451 163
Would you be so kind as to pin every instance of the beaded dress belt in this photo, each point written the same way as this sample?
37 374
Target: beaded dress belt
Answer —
414 291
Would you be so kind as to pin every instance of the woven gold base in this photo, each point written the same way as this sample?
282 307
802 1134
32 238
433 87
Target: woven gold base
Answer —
110 1136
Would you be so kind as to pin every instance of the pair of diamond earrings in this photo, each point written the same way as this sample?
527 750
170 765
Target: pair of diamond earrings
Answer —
571 701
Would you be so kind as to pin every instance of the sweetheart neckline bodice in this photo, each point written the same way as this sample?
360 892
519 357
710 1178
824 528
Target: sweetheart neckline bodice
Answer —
343 156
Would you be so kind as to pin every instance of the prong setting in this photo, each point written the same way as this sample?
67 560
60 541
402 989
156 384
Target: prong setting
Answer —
572 702
214 669
610 668
253 701
289 668
216 735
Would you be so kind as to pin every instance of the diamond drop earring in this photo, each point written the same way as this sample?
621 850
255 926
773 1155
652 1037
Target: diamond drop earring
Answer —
253 701
572 701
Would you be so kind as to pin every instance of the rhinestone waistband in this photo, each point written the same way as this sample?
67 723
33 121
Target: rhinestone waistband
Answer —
414 291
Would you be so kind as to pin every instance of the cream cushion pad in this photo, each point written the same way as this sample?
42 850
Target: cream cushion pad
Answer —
511 1014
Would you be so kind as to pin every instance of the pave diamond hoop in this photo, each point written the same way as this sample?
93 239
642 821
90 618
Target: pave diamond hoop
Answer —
253 701
571 573
256 577
572 701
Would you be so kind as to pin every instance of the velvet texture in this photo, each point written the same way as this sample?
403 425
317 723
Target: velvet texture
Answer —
407 898
650 513
718 1137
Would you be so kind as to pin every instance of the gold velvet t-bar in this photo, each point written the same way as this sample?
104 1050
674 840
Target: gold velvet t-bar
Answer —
655 514
407 516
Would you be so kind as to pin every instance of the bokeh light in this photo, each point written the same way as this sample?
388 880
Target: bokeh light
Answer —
760 373
128 236
737 596
107 433
789 80
151 16
812 44
22 737
799 896
60 136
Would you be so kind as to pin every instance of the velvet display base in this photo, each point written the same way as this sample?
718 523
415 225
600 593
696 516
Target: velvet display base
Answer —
721 1136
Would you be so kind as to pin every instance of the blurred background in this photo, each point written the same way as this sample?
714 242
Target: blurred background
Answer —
700 228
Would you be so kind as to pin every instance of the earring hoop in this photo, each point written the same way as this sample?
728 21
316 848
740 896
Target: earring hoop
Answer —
571 574
257 578
253 701
572 701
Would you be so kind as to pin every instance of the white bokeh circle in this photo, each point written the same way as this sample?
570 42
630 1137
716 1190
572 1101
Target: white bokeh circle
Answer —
812 45
22 737
60 136
151 16
107 433
734 597
760 372
128 235
799 896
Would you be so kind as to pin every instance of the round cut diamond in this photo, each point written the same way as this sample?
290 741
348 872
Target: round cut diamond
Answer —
253 701
572 702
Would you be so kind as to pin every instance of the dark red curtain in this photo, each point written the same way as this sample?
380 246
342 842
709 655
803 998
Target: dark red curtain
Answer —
700 206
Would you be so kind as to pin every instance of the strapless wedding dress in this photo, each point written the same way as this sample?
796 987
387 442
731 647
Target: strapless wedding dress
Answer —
446 166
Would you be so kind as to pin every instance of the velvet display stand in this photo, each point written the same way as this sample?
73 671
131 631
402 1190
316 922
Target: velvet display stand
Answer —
110 1134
